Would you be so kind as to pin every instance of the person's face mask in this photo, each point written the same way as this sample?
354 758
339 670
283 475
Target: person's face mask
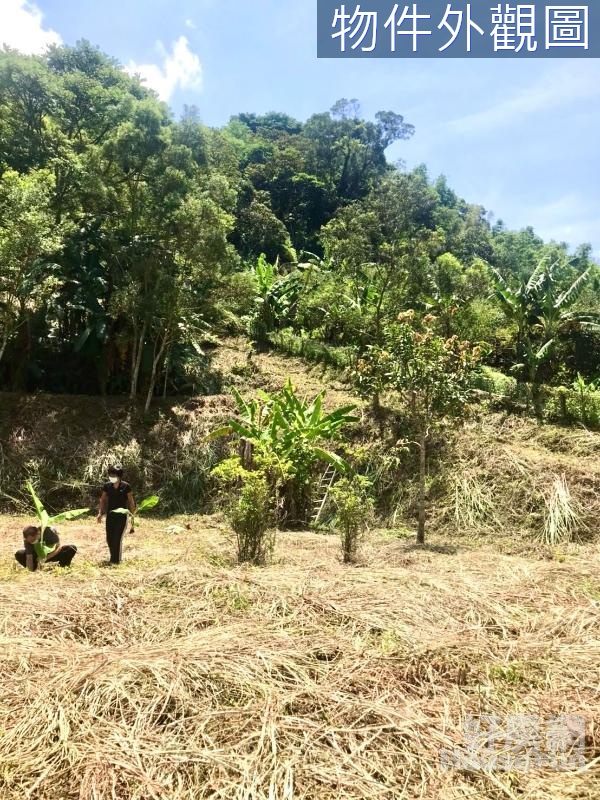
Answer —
113 479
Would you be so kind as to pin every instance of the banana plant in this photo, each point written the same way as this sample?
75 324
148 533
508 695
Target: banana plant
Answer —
43 516
290 432
145 505
290 427
539 309
585 392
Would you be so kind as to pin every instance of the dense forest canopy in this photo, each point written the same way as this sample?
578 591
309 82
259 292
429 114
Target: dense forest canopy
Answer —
129 240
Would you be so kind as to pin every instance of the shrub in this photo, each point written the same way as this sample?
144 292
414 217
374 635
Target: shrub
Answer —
250 513
312 349
493 381
354 509
250 518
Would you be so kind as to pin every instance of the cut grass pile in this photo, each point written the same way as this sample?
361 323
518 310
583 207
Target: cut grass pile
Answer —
181 676
531 481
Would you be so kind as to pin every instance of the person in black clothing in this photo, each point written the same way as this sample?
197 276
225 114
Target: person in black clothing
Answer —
38 549
115 494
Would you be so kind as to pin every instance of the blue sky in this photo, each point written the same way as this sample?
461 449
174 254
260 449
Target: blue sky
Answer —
517 136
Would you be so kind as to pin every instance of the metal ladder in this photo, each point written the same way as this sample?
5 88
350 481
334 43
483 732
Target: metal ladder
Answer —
322 493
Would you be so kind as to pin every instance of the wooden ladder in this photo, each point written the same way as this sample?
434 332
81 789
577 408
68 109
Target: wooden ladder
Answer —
322 493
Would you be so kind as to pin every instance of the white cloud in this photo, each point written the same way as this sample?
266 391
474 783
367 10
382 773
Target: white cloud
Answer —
180 69
189 23
21 27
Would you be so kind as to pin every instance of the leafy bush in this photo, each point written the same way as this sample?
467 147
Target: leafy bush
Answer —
354 508
283 433
493 381
580 404
250 517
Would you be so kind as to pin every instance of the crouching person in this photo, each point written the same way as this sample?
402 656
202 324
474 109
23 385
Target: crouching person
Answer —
40 549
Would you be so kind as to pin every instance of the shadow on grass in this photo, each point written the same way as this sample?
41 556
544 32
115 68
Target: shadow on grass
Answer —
442 549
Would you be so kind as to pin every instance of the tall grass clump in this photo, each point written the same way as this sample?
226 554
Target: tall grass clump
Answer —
337 356
562 517
187 485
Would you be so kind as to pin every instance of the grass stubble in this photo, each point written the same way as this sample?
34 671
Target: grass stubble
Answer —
180 675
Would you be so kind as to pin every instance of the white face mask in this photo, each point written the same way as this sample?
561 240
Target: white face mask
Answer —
113 479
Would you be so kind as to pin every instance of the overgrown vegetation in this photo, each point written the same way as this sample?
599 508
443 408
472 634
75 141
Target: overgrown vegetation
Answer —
131 243
282 436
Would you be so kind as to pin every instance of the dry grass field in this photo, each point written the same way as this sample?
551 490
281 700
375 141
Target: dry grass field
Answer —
181 676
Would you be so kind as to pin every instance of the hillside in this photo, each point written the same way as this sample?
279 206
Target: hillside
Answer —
65 441
180 675
360 416
497 474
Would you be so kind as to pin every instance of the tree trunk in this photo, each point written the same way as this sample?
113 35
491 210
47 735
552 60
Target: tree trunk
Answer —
376 404
379 307
246 453
103 370
537 400
137 363
562 398
155 362
422 467
167 365
24 350
378 413
134 342
4 343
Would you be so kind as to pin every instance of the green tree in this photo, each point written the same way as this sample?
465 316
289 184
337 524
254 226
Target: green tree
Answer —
428 373
28 237
348 153
384 243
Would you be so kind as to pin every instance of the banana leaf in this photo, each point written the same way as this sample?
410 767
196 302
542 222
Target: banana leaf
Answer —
145 505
